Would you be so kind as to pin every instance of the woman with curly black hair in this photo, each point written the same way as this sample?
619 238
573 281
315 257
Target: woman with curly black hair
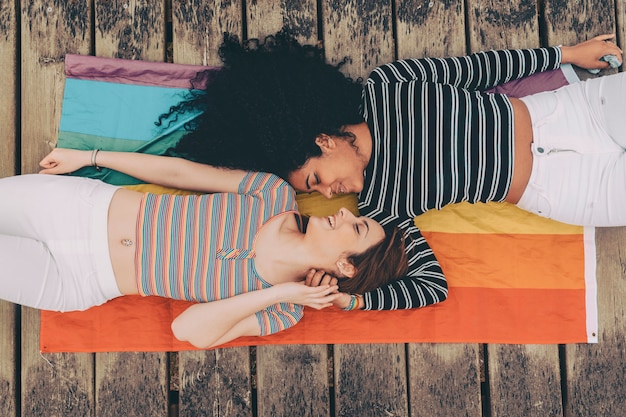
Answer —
263 107
420 134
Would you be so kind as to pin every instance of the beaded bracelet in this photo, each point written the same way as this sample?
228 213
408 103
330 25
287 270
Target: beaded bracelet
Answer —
354 303
93 159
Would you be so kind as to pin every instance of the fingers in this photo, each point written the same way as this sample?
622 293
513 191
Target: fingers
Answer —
315 278
49 166
611 47
47 162
324 302
308 280
323 290
605 37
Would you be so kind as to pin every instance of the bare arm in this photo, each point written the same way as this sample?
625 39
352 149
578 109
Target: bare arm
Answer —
161 170
211 324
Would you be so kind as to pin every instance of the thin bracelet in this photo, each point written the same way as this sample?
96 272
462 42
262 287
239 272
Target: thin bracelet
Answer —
353 303
93 159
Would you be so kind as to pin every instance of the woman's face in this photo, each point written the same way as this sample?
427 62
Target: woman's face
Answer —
338 170
343 234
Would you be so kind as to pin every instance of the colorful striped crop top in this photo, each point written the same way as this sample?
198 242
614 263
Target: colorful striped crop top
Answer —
201 247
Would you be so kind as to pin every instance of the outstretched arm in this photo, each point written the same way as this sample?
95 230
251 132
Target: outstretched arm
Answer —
211 324
486 69
161 170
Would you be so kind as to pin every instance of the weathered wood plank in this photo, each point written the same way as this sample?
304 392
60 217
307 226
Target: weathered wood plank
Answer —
198 28
444 380
430 28
362 30
49 30
9 368
595 373
370 380
132 384
130 29
280 370
524 380
216 382
292 380
494 24
592 371
8 99
620 21
571 22
54 384
267 17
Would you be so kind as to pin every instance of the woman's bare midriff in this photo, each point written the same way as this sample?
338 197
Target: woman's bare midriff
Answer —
123 212
523 161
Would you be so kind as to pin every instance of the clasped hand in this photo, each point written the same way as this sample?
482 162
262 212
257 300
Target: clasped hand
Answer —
316 278
63 161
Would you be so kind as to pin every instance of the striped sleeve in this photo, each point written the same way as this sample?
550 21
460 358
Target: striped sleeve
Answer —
278 317
475 72
424 285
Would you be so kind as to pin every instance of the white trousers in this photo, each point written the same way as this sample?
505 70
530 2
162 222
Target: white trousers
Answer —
579 160
54 252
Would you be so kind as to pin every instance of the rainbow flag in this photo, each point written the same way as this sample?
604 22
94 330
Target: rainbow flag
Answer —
513 277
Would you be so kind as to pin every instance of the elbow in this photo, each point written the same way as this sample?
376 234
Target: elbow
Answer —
179 329
183 332
443 294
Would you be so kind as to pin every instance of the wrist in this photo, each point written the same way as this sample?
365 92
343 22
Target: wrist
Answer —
566 54
360 302
94 159
354 303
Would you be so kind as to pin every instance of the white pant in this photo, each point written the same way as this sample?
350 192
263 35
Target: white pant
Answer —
54 252
579 160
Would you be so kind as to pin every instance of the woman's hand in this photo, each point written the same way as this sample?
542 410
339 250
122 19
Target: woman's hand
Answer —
587 54
63 161
316 277
315 297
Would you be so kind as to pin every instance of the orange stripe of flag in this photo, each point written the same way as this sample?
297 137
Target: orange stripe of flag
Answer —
510 261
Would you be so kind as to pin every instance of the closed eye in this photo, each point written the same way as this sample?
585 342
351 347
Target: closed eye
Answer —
307 182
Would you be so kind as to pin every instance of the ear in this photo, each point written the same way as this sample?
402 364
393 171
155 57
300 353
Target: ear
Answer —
325 142
346 268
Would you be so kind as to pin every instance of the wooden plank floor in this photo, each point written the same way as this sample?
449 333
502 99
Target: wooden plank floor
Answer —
340 380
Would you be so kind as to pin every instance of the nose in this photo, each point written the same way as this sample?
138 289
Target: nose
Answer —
326 192
345 213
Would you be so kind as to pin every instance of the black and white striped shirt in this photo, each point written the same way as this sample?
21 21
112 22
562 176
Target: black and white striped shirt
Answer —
438 139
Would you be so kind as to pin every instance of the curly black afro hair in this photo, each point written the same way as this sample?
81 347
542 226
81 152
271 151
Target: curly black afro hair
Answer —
263 110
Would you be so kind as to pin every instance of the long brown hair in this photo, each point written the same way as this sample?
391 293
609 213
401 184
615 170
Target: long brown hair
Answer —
378 265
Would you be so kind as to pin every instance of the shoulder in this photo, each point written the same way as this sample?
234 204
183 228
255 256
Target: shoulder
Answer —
263 181
270 188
